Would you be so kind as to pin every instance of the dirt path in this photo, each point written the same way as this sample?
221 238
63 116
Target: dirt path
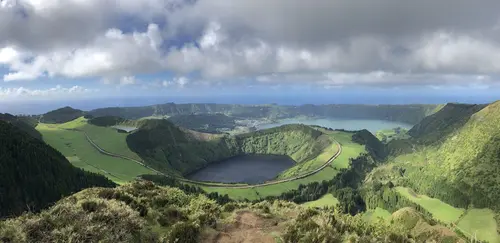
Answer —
327 163
248 227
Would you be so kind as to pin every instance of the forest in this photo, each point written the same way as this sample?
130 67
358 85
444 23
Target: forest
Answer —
33 175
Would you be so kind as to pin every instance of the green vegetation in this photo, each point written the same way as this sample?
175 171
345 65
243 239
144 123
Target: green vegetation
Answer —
328 200
410 114
409 220
210 123
388 135
61 115
106 121
439 210
166 147
25 123
480 224
69 139
376 215
34 175
350 150
442 123
143 212
461 170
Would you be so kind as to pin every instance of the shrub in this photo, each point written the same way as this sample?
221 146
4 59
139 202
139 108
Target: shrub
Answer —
183 232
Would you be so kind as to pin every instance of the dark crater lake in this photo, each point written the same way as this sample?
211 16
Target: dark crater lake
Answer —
251 169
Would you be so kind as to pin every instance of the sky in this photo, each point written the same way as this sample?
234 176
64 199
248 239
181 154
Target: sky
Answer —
244 51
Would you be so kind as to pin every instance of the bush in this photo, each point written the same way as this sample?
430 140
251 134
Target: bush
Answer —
183 232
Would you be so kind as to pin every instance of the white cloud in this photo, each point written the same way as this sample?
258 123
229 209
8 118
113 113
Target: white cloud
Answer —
444 51
384 42
179 82
55 92
128 80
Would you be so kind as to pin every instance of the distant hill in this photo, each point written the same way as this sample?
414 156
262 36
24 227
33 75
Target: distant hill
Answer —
26 124
33 175
211 123
374 146
61 115
437 126
168 147
410 114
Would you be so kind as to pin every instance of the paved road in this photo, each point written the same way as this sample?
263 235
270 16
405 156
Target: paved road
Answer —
327 163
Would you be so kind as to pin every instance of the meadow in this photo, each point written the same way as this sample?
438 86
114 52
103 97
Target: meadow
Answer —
480 224
376 215
474 223
439 210
75 147
328 200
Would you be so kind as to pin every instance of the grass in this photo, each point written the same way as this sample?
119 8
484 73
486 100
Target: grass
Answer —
80 153
110 140
328 200
377 214
480 222
349 150
439 210
312 164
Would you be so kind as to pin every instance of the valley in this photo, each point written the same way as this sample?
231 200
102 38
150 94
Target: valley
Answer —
315 162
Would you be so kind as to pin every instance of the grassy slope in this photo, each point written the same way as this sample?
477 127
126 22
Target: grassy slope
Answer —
110 140
377 214
439 210
481 223
349 150
464 166
456 160
80 153
328 200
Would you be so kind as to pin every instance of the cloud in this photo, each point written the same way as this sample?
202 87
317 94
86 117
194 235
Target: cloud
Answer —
331 43
179 82
127 80
55 92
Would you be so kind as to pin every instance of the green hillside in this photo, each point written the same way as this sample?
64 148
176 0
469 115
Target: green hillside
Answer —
451 171
61 115
26 124
464 169
446 121
33 175
167 147
144 212
69 139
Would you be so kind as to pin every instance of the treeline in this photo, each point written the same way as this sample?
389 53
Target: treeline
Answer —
209 123
386 197
33 175
25 123
344 186
106 121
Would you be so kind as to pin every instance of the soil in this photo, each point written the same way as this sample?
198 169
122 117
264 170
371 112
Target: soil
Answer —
248 227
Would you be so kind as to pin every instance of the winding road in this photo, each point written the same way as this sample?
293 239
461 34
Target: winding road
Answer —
327 163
